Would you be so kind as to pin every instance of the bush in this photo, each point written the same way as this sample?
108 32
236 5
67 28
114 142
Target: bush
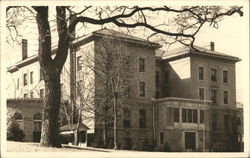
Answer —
14 132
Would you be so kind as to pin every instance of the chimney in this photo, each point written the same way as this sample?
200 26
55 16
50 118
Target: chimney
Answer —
24 49
212 46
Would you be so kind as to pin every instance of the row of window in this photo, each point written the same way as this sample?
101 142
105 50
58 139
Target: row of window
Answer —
41 94
127 115
214 95
228 120
31 79
37 121
188 115
213 75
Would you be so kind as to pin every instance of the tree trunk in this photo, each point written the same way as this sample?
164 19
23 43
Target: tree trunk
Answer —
51 106
115 122
76 137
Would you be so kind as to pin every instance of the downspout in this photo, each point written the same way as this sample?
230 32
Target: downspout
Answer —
153 115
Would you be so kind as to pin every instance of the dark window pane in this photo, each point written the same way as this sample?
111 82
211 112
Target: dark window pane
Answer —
190 115
176 115
142 89
24 48
201 73
141 65
184 115
31 77
194 116
225 76
25 79
213 75
225 97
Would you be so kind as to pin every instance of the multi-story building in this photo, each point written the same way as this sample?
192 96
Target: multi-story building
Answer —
180 100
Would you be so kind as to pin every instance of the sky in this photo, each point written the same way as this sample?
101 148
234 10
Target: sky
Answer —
232 38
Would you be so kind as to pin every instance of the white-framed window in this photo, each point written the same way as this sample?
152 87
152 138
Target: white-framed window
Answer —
189 115
31 77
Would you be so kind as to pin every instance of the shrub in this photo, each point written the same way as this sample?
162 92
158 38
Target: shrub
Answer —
14 132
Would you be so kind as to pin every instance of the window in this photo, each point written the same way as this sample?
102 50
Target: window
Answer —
214 122
141 65
31 77
37 127
176 115
78 63
189 115
214 95
201 116
225 77
25 95
126 117
194 116
213 75
184 115
25 79
37 122
225 97
18 119
161 138
157 77
142 118
41 93
166 76
226 122
201 93
31 95
17 83
201 73
41 75
142 89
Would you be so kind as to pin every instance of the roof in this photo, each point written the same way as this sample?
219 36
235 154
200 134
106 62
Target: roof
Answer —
186 51
85 39
82 127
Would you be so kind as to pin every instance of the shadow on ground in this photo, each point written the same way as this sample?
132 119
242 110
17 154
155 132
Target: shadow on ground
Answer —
82 148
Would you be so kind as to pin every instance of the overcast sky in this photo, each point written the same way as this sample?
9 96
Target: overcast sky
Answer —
232 38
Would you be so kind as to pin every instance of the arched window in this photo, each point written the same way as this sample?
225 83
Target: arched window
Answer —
37 122
18 119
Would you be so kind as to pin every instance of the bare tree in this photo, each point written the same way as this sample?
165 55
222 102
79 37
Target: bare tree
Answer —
188 22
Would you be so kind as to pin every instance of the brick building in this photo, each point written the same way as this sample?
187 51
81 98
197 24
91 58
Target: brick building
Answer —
182 100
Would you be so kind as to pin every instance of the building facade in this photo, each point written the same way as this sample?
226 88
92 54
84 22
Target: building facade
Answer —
180 100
